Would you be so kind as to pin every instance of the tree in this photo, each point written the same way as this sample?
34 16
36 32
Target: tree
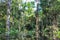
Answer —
8 19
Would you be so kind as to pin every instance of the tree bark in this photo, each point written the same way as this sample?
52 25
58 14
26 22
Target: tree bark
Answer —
8 19
37 24
37 29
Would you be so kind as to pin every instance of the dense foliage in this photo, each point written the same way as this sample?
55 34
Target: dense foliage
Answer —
23 17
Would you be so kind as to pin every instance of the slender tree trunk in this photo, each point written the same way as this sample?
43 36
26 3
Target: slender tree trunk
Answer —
8 20
37 24
37 28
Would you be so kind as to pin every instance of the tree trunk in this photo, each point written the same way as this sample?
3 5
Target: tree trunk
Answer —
37 28
37 24
8 20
